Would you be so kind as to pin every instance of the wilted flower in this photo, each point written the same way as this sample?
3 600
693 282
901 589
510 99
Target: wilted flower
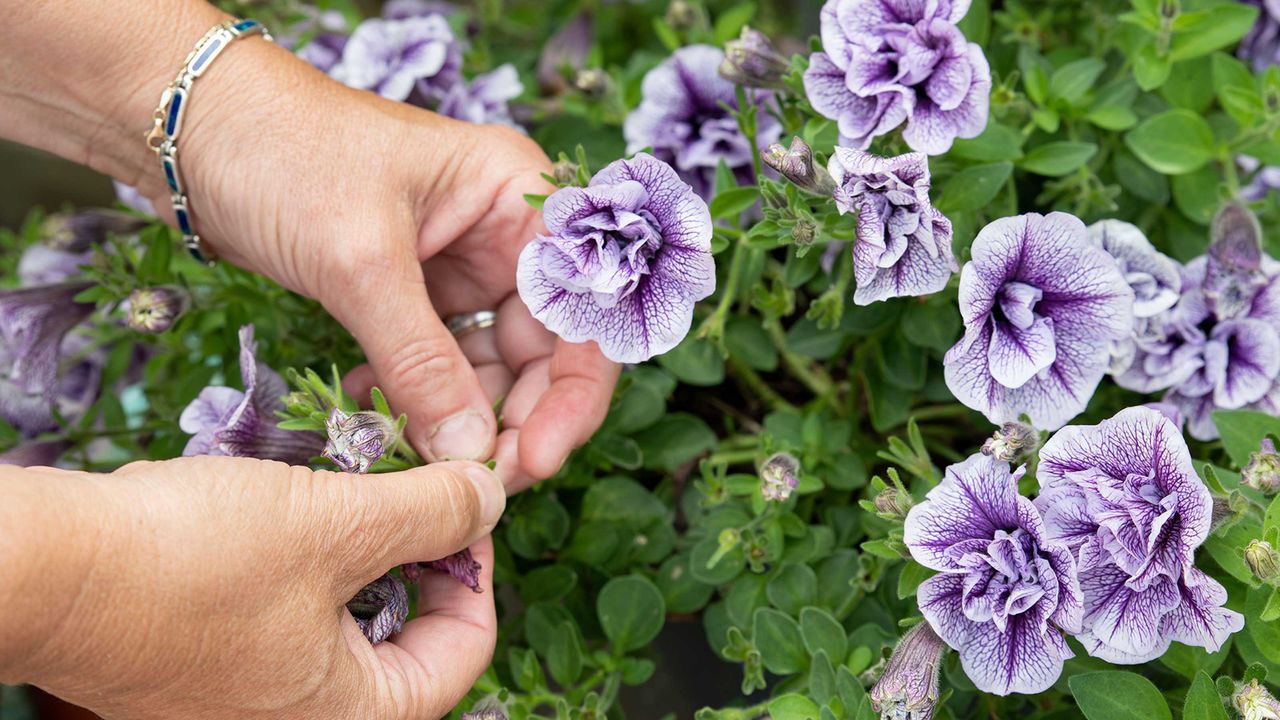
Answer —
1254 702
380 608
131 198
33 323
796 164
1263 560
1263 471
1125 497
624 261
885 62
908 689
904 243
565 53
154 310
1013 441
83 230
1041 307
683 117
226 421
779 476
481 712
1261 46
392 57
358 440
1005 591
461 566
484 99
1156 279
752 61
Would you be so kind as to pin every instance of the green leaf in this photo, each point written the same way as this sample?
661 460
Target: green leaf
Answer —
734 202
777 636
727 567
1187 660
794 587
1203 31
793 706
1196 194
547 583
1149 68
1118 695
535 200
1225 549
679 438
1173 142
997 142
729 23
822 679
934 323
542 623
748 341
1237 92
564 656
1059 158
1271 611
912 575
631 611
1072 81
695 362
622 500
973 187
1112 117
1203 702
681 590
1242 432
821 632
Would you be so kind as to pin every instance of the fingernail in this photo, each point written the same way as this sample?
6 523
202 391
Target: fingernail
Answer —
465 436
492 494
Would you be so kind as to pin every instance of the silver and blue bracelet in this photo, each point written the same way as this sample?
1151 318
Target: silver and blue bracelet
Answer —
163 136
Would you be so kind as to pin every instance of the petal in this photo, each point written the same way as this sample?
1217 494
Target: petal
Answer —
1125 623
950 82
1250 364
1023 659
917 272
682 216
210 409
976 498
939 599
1136 254
1015 355
1200 619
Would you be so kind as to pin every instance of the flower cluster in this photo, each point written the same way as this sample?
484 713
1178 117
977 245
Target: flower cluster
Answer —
1218 347
885 62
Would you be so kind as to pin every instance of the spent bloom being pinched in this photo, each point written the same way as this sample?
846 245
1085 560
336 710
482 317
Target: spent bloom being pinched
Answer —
903 243
380 608
684 117
226 421
393 57
1041 307
461 566
796 164
1005 591
623 262
1125 497
908 689
779 477
885 62
358 440
1262 473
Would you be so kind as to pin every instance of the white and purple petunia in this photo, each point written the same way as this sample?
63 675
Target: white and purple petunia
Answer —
36 326
485 99
1006 592
226 421
1261 46
885 62
393 57
1041 307
683 118
903 243
623 262
1125 497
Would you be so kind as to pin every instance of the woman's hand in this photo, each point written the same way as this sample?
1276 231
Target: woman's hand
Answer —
215 588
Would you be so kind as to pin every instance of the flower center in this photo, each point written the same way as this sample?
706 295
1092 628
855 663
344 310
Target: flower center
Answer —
1016 304
1005 580
615 251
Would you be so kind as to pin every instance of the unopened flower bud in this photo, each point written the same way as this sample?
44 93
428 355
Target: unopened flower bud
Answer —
565 172
803 232
779 476
486 713
358 440
1011 442
593 82
796 164
1263 560
752 61
908 689
380 608
682 15
1254 702
1227 511
79 231
892 504
1263 471
154 310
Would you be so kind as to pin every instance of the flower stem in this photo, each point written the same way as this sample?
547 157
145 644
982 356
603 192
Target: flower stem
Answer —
757 385
817 380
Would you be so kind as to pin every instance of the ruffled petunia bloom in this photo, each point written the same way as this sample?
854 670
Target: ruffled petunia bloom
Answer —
624 260
1156 278
683 119
43 265
485 99
903 243
34 327
1006 592
1041 307
886 62
1125 497
380 608
1261 46
395 57
226 421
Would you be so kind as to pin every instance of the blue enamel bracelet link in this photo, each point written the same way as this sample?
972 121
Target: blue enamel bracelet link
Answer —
163 136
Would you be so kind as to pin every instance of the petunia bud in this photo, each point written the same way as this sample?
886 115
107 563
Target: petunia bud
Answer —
682 15
565 172
1011 442
908 690
1233 273
892 504
796 164
803 232
79 231
1263 560
1254 702
751 61
1227 511
564 54
1263 471
154 310
358 440
779 476
593 82
380 608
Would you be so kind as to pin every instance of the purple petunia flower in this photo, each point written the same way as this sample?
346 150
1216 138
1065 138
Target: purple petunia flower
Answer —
34 323
324 51
682 117
43 265
226 421
904 243
885 62
624 260
401 9
1125 497
134 200
484 99
1005 592
1041 306
1261 46
393 57
1156 278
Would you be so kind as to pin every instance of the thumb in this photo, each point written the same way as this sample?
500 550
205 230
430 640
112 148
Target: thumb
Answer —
416 360
421 514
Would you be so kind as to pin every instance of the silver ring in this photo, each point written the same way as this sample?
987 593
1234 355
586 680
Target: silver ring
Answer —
467 323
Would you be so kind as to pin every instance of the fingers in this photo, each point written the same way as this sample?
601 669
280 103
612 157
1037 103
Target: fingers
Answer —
416 360
570 411
377 522
437 656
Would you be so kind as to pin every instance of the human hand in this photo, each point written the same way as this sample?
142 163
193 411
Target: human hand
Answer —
394 218
213 587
